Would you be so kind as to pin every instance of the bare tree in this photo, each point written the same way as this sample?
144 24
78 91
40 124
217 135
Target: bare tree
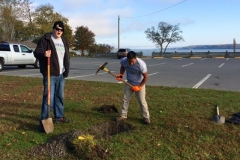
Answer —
11 14
165 33
83 39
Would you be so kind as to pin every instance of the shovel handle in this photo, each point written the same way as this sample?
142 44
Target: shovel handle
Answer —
217 110
121 79
48 78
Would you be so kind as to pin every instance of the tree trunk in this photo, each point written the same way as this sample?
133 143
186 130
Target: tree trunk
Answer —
161 50
166 47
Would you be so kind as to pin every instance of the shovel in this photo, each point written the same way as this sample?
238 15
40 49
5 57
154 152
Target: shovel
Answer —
217 118
48 123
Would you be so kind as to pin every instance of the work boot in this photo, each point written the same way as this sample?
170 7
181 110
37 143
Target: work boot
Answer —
62 120
41 128
146 120
120 118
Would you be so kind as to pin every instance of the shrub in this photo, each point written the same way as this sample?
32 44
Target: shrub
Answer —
82 146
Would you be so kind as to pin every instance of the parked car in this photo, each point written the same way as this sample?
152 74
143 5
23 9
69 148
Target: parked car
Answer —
13 54
122 52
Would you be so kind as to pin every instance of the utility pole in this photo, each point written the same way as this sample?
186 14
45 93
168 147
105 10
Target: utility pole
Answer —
118 32
234 45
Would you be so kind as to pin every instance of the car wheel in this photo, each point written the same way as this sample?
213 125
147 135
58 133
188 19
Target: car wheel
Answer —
1 65
37 64
22 66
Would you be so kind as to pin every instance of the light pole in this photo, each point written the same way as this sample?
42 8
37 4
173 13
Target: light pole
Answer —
118 32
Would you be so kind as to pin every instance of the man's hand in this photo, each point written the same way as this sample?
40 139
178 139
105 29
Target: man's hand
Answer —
136 88
48 53
119 77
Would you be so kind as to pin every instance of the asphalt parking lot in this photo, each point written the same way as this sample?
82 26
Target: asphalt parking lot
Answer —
207 73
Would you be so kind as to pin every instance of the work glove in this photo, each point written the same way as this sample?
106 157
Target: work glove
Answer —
119 77
136 88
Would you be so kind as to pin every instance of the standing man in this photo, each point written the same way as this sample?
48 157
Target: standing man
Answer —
56 47
137 76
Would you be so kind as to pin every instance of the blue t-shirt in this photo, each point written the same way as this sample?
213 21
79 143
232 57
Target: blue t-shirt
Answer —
134 72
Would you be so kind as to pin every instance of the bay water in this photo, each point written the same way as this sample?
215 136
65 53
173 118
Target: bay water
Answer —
148 52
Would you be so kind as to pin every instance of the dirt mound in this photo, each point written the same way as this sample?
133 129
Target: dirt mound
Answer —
59 146
56 147
108 109
107 129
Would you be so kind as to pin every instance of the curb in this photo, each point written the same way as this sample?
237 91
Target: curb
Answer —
176 57
195 57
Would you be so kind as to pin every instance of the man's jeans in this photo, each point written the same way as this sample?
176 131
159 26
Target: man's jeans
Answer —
56 97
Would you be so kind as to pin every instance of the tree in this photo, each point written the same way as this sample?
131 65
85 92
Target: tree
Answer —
11 13
83 39
44 18
100 48
165 33
68 34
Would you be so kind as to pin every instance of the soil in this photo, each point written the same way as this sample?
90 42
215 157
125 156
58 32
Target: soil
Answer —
108 109
107 129
59 146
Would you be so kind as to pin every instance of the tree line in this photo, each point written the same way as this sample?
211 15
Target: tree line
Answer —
19 22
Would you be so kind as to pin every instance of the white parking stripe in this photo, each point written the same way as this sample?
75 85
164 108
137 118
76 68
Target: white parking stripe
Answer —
202 81
85 75
157 64
221 65
153 73
17 70
187 65
30 75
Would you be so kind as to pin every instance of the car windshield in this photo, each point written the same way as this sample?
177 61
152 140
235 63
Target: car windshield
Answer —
122 50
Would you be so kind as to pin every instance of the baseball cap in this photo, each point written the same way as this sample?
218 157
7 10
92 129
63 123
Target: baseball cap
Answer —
58 24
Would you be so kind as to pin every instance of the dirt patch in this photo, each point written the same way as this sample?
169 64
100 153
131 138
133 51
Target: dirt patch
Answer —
108 109
60 146
56 147
107 129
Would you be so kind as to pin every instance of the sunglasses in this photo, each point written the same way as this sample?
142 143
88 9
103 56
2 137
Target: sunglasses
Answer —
58 29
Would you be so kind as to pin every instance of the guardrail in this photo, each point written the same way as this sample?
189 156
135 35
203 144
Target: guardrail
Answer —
113 54
177 55
196 54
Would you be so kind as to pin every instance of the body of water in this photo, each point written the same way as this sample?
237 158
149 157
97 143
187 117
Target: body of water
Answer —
148 52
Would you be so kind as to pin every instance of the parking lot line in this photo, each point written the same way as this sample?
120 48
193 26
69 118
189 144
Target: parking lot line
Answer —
26 75
187 65
153 73
85 75
157 64
201 82
221 65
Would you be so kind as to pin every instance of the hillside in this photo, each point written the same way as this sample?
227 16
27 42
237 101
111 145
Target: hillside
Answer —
220 46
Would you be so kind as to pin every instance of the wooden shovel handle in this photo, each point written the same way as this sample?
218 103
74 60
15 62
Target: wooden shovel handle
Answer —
48 78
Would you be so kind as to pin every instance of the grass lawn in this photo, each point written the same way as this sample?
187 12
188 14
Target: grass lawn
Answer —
181 128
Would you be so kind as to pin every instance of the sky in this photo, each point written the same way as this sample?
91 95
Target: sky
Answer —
202 22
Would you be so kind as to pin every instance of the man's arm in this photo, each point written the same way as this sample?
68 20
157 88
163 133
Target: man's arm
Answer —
122 70
145 78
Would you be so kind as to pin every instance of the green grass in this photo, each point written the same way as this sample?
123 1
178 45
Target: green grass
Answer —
181 125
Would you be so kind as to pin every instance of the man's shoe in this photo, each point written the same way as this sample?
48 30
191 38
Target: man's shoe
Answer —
120 118
62 120
146 120
41 128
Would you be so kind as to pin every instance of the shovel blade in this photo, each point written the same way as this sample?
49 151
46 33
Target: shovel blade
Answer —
48 125
219 119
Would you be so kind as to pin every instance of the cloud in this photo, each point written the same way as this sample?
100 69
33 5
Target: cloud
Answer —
182 22
79 4
103 23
